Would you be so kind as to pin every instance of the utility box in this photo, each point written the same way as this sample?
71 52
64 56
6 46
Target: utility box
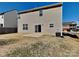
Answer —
58 34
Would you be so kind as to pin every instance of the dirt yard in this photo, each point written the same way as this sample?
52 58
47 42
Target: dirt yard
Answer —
36 45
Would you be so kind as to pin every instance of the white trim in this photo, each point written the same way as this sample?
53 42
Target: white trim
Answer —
61 22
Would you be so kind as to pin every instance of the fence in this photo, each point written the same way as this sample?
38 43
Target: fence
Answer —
8 30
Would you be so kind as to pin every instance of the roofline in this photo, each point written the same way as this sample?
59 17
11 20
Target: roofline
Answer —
42 8
68 23
7 11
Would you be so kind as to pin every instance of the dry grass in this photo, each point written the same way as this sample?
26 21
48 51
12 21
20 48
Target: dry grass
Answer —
7 42
42 45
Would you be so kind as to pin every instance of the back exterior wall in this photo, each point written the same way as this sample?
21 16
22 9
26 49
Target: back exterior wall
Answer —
50 16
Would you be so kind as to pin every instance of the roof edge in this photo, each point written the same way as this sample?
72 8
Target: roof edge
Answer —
41 8
7 11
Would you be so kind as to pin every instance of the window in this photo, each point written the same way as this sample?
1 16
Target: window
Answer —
51 25
25 26
1 25
37 28
41 13
77 26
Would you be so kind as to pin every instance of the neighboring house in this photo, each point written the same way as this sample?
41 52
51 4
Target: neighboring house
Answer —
69 26
8 21
77 28
46 19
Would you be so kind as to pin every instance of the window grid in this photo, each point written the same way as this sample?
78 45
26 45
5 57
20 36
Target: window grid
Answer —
51 25
25 26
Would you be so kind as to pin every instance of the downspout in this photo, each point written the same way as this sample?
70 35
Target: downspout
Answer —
61 21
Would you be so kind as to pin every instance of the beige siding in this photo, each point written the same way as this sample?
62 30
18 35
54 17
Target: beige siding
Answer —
10 19
50 16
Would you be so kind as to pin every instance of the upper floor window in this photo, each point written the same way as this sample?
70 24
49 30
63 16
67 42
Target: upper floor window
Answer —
25 26
41 13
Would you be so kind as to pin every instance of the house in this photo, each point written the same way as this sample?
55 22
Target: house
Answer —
77 28
46 19
8 21
69 26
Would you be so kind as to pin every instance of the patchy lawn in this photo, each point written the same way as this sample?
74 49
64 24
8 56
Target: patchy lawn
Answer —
29 45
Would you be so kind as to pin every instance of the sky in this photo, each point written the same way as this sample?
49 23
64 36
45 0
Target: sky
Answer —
5 6
70 10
